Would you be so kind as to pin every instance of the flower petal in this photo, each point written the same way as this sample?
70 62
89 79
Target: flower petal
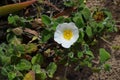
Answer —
58 35
66 45
72 26
61 27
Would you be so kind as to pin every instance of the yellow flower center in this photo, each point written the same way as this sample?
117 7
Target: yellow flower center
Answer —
67 34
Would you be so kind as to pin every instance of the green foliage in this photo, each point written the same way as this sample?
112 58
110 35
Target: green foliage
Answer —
13 19
37 68
86 13
10 72
41 76
71 55
30 48
18 21
51 69
5 59
11 75
107 67
38 59
23 65
89 31
78 20
46 20
30 76
46 35
104 55
69 3
90 53
80 54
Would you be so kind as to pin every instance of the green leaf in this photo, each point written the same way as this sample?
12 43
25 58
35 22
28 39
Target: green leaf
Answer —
30 76
46 20
86 63
80 54
89 31
38 59
93 25
51 68
109 15
46 35
13 19
4 71
20 49
104 55
78 20
12 39
30 48
60 19
41 76
54 25
100 27
69 3
11 75
23 65
19 21
37 68
5 59
107 67
81 1
81 36
90 53
86 13
71 54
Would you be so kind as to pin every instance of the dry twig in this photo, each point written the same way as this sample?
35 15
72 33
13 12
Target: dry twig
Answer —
50 4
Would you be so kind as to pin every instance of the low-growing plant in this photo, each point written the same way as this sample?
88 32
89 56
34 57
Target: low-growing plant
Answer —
62 40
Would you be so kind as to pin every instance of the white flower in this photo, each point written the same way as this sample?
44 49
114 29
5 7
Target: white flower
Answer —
66 34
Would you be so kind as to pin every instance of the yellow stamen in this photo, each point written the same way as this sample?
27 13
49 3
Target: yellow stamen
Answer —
67 34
